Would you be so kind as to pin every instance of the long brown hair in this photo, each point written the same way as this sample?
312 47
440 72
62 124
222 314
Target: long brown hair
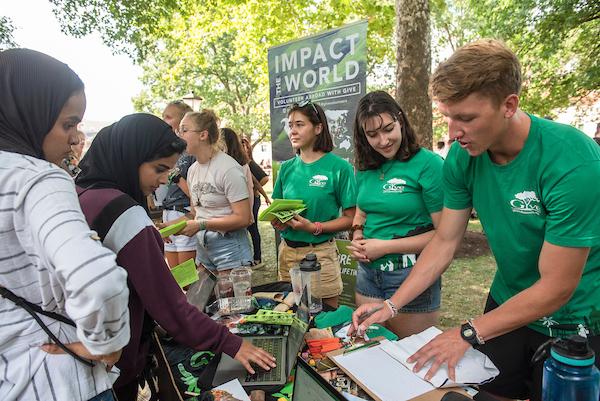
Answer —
234 146
373 105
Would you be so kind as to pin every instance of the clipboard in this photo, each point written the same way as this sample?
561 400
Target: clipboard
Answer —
373 359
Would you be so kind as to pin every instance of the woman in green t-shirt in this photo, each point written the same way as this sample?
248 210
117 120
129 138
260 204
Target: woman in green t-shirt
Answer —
399 203
325 183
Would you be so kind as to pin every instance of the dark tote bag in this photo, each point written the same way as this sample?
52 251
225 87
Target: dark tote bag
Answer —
175 372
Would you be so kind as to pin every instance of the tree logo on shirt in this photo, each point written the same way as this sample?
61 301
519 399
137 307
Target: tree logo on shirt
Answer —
394 185
318 180
526 202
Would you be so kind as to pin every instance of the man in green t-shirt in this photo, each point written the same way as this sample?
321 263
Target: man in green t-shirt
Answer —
534 184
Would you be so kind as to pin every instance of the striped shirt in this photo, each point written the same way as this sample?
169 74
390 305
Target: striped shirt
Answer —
48 257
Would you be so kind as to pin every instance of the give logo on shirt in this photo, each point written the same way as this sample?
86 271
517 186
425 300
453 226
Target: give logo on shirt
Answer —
318 181
395 185
526 202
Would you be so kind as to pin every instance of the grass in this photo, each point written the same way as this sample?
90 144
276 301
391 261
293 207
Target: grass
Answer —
464 285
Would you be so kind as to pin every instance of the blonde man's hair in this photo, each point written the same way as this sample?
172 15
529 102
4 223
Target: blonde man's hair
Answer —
486 66
206 120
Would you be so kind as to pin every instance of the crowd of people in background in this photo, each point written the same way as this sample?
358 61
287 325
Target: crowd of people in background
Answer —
76 238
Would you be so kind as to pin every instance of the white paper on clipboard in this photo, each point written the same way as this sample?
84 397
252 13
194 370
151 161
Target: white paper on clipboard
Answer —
383 377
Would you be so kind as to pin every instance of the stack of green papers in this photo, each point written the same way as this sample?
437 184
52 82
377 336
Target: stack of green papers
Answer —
282 209
185 273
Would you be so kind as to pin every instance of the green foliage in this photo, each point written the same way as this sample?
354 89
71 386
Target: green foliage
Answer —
218 48
6 29
211 45
556 41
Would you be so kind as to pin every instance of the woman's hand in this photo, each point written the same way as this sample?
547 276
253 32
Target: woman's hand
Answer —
190 229
370 249
360 326
160 226
267 200
79 349
248 354
300 223
278 225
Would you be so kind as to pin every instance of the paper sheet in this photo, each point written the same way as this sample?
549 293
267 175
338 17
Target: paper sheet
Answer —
234 387
473 368
379 373
185 273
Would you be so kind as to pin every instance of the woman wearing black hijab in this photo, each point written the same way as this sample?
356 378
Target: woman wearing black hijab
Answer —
47 252
126 162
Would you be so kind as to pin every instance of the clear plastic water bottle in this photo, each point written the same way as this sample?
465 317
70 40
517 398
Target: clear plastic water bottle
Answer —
310 270
569 372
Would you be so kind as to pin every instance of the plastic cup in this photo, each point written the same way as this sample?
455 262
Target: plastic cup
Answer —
242 282
296 278
224 287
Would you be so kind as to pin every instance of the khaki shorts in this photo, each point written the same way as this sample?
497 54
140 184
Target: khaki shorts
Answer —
327 255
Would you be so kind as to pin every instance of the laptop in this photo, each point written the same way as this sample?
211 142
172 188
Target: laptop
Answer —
309 385
199 292
284 348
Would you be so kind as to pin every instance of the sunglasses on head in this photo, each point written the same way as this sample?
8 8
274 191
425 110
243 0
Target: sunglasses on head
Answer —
305 103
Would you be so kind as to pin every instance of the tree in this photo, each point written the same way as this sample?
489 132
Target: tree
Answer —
556 41
414 65
218 48
6 29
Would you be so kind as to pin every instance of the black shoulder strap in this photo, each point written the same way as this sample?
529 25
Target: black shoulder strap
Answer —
33 310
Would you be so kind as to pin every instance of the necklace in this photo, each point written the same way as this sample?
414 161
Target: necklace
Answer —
204 186
383 172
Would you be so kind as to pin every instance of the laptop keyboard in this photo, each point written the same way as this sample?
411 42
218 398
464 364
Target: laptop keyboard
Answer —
274 347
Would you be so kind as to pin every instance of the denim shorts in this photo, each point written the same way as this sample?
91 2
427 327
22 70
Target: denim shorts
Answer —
375 283
217 251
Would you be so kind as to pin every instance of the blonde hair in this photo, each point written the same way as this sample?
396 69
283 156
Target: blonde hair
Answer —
181 106
486 66
206 120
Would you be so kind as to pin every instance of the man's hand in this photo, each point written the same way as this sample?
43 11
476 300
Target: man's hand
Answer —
300 223
447 348
190 229
248 354
383 314
78 348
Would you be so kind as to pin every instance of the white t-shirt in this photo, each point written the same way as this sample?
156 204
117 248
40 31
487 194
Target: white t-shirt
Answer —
48 257
215 185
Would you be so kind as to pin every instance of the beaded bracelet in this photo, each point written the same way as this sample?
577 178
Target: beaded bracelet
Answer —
392 307
318 228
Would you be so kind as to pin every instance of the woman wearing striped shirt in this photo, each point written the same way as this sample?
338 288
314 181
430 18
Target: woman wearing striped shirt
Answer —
48 254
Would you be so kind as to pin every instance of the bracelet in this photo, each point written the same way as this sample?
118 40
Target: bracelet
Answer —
202 225
318 228
478 337
392 307
355 227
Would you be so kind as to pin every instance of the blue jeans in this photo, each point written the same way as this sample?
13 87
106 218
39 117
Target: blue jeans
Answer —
104 396
374 283
218 251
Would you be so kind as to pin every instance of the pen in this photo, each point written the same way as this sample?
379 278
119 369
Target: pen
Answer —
364 346
368 314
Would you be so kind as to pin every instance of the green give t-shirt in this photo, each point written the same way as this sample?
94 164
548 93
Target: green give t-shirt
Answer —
549 192
326 186
400 201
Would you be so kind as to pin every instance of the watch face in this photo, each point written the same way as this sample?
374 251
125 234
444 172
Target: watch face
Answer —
468 332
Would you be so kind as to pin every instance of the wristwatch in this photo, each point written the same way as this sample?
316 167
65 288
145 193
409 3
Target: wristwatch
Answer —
470 335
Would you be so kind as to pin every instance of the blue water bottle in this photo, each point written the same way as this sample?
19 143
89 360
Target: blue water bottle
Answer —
569 372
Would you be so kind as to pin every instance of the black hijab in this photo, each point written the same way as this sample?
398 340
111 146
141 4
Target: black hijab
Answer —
117 152
34 88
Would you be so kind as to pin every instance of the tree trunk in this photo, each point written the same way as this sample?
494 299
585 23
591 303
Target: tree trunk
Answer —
413 57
